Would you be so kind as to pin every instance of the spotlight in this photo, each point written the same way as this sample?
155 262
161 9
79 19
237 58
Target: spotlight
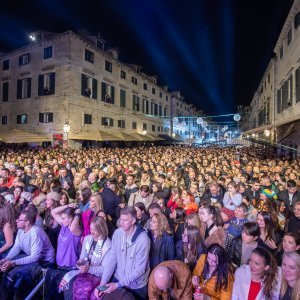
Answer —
237 117
32 37
267 132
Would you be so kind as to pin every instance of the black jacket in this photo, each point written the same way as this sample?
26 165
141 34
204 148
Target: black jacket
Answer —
110 202
284 196
161 249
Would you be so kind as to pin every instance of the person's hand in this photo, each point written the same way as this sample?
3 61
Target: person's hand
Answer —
271 244
122 205
112 286
195 280
9 264
73 205
198 296
83 269
98 293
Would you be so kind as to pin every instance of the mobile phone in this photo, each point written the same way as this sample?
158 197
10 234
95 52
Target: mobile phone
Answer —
102 288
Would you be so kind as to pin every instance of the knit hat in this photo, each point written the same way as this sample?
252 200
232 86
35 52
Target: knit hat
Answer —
269 193
26 196
53 195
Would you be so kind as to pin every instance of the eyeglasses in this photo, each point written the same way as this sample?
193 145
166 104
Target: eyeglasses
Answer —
19 220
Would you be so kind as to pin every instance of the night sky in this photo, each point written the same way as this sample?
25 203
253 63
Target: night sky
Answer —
215 52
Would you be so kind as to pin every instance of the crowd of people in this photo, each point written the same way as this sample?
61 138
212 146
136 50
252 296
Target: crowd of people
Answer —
156 222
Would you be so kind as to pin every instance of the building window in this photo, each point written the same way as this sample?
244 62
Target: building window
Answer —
88 119
123 74
289 36
134 80
121 123
5 87
297 82
88 86
153 127
46 117
297 20
46 84
165 111
144 126
107 122
107 93
145 108
4 120
135 103
24 59
108 66
22 119
134 125
48 52
160 94
160 110
153 91
281 51
5 65
145 86
89 56
167 98
156 109
122 98
24 88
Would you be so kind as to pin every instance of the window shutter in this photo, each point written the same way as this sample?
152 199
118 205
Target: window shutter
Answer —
19 89
29 88
50 117
122 98
41 85
103 121
5 91
119 123
83 84
20 60
95 88
41 119
18 119
111 122
52 83
103 91
112 94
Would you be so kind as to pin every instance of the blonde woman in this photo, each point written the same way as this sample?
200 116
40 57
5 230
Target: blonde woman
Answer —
290 289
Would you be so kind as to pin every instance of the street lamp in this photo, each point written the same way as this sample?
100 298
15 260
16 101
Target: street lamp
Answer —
66 129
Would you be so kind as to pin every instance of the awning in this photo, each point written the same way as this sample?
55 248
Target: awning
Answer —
286 133
149 137
167 137
18 136
94 136
127 137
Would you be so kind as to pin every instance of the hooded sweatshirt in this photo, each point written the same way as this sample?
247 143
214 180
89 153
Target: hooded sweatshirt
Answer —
129 261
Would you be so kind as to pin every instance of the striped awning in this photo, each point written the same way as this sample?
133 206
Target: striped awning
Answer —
17 136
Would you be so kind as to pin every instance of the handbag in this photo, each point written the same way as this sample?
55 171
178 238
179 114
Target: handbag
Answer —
84 285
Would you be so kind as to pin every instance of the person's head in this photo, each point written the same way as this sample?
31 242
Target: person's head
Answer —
159 224
140 210
26 219
127 218
250 232
179 215
296 209
263 265
231 187
101 213
130 179
7 215
255 184
291 273
241 211
52 200
92 177
85 195
144 176
96 202
291 242
20 171
64 198
214 188
144 191
154 208
17 192
163 277
291 186
264 221
217 263
67 216
98 228
193 220
161 178
209 213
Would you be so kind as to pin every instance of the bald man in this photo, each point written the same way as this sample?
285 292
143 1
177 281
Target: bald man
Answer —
170 280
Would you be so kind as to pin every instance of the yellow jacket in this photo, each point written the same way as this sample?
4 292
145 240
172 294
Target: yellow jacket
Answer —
209 287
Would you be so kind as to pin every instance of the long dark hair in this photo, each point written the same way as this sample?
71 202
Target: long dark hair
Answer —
223 270
270 226
215 211
195 242
270 274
